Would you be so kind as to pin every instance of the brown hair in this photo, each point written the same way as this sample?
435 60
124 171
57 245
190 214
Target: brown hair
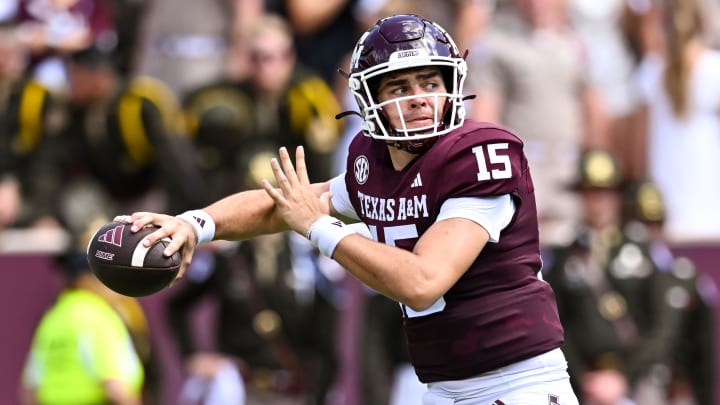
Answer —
682 23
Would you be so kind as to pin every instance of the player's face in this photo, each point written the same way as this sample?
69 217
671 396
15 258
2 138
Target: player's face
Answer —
420 87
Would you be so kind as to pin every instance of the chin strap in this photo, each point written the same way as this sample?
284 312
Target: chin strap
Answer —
415 147
346 113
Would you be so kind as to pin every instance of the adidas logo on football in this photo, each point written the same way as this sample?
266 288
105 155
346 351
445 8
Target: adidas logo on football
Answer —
113 236
417 182
200 221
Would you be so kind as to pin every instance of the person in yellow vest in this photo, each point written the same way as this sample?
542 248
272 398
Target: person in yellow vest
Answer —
82 352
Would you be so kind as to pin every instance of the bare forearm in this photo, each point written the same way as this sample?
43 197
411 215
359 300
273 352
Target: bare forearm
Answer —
245 215
250 213
418 278
391 271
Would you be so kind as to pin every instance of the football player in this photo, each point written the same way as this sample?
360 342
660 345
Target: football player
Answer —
449 203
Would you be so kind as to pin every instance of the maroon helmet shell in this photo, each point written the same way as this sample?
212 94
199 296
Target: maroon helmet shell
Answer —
402 42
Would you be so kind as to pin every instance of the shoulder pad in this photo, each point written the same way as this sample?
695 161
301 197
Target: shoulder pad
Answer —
482 160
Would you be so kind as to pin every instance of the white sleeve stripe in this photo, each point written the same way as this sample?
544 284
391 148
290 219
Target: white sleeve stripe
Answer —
341 199
492 213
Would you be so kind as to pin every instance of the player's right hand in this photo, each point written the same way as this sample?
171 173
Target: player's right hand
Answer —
181 233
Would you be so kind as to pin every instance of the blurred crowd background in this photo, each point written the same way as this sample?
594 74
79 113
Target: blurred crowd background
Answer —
113 106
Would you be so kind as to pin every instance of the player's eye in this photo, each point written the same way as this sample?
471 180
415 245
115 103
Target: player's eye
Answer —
432 85
399 90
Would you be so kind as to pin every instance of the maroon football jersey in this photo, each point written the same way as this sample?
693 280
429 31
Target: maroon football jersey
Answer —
498 312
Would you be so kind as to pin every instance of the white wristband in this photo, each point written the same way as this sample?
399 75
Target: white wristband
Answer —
326 233
202 223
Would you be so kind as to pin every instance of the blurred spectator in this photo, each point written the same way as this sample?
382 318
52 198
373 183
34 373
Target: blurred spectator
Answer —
8 11
10 201
275 327
468 19
128 16
679 80
622 314
611 64
282 102
324 32
11 70
109 146
185 42
711 22
637 36
25 121
82 352
133 315
53 28
245 13
532 77
693 370
273 291
386 373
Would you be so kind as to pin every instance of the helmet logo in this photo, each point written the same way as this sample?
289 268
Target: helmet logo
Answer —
355 58
407 53
362 169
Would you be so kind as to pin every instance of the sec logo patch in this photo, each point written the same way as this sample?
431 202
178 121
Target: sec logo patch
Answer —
362 169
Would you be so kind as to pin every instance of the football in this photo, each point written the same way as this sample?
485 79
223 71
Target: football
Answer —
119 260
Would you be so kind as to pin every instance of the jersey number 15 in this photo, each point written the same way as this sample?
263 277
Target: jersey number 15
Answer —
494 155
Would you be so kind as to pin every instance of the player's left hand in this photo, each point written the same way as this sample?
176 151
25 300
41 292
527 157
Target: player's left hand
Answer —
295 200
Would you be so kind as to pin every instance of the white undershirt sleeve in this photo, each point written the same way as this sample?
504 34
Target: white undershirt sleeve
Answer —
341 199
492 213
